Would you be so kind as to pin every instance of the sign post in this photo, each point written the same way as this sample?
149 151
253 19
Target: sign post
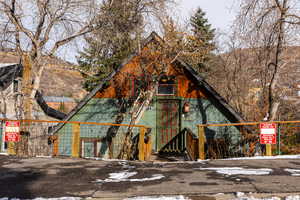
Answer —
268 136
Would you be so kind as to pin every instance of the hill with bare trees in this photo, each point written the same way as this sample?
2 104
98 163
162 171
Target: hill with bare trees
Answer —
60 78
241 77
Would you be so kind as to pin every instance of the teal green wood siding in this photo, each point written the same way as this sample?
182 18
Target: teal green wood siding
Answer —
105 110
102 110
88 149
103 149
149 120
202 111
65 140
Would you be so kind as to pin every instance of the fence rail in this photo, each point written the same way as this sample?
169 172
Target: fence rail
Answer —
76 139
246 140
94 139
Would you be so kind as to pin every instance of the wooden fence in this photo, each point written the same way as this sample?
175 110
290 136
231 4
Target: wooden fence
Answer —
75 139
288 139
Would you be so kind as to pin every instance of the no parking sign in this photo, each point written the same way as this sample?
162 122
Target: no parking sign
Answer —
268 133
12 131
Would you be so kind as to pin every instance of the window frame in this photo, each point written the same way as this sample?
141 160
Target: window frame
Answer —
175 87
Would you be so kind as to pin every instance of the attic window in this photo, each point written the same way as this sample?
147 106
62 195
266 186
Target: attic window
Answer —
166 86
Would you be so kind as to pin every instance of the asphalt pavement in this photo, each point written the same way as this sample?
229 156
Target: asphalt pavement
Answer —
213 179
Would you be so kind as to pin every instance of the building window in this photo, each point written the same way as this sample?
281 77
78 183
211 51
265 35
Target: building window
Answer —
166 86
15 86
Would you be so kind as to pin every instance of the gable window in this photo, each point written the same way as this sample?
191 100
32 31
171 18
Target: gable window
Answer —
166 86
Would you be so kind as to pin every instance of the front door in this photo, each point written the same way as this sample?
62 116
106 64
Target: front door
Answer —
167 124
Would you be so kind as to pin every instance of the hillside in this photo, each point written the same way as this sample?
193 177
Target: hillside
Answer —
239 76
58 79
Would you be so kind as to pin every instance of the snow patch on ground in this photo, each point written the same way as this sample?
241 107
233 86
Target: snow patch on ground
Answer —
265 157
103 159
180 197
124 176
239 158
125 165
43 156
239 171
294 172
243 196
153 178
40 198
295 197
120 176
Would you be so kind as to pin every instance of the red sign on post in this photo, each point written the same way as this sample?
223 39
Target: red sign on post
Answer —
268 133
12 131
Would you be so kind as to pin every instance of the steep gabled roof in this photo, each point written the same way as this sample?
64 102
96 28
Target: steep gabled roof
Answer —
8 74
216 98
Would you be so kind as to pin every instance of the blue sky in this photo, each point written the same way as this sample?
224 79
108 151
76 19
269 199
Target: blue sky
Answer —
220 13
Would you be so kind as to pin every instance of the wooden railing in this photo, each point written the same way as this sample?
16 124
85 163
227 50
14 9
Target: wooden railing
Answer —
192 142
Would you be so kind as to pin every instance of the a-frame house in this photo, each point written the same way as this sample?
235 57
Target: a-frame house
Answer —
182 100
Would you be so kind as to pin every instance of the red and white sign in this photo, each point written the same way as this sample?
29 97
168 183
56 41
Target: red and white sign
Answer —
268 133
12 131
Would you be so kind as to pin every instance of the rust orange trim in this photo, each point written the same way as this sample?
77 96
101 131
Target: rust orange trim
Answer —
73 122
248 123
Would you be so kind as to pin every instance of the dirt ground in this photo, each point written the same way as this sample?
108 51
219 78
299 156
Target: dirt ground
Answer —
60 177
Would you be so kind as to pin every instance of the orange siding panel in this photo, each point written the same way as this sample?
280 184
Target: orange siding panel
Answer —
120 85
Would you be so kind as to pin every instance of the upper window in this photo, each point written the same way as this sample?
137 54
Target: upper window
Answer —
166 86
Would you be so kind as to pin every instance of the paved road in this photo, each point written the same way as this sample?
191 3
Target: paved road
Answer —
57 177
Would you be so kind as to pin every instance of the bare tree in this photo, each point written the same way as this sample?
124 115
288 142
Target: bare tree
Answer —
266 28
36 29
39 28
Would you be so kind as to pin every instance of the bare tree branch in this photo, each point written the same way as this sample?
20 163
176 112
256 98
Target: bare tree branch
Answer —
42 5
64 41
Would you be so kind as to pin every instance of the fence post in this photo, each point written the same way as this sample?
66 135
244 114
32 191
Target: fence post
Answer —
75 140
55 141
11 148
141 144
269 149
148 149
201 140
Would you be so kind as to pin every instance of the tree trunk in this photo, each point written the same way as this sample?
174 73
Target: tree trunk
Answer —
22 147
274 96
137 112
